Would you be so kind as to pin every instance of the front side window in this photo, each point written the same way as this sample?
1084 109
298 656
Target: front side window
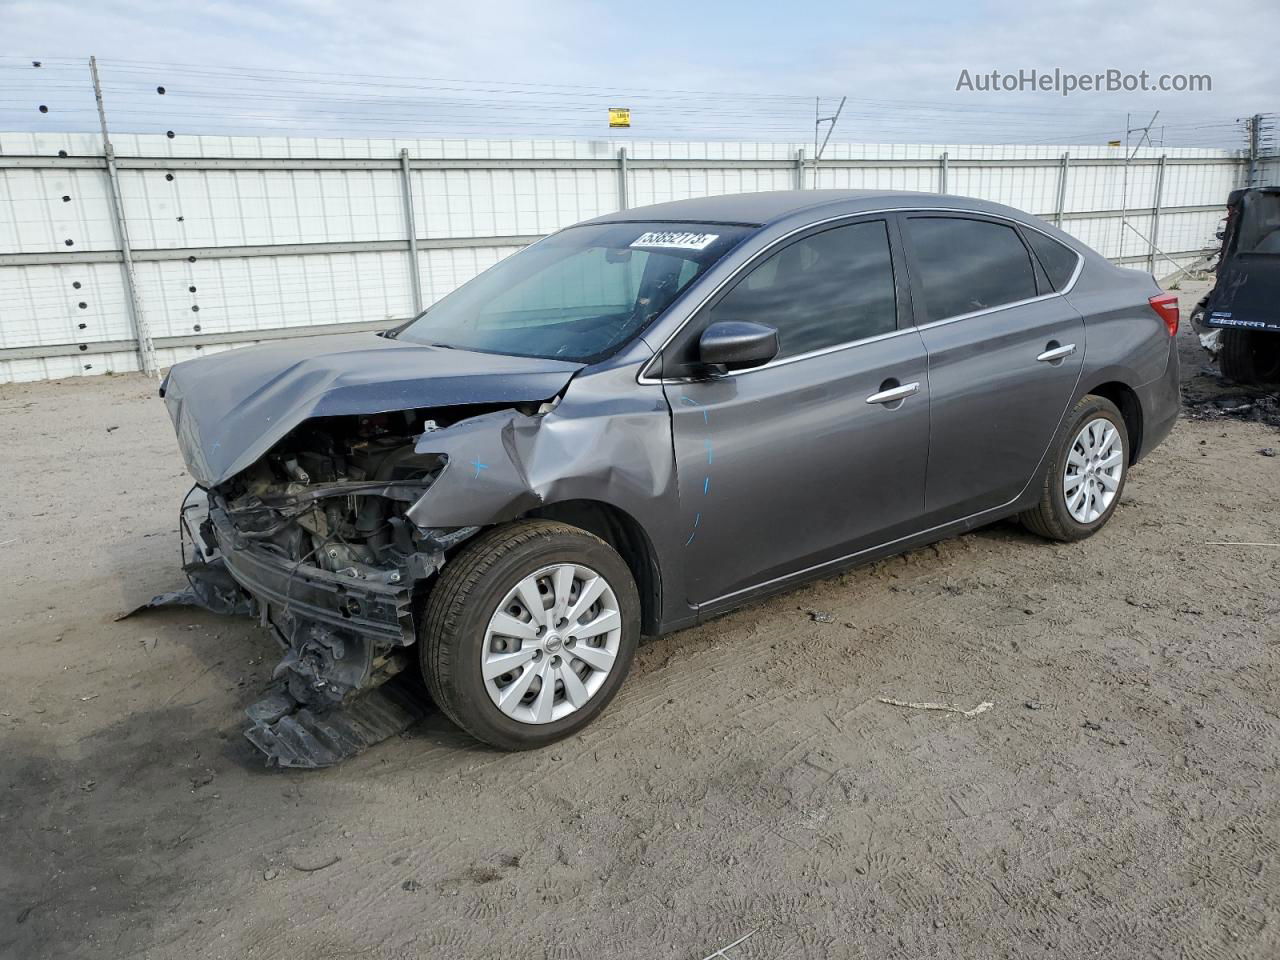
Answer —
577 295
827 289
969 265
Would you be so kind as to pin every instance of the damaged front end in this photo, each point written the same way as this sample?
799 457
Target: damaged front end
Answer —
314 536
307 456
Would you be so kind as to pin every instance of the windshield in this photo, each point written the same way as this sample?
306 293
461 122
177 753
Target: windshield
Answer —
577 295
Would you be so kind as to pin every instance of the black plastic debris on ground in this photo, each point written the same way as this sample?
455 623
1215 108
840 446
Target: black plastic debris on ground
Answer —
209 585
1254 406
294 735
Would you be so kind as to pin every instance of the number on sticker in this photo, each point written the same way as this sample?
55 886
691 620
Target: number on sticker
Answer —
676 240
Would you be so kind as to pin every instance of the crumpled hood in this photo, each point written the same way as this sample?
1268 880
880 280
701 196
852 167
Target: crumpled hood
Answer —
230 408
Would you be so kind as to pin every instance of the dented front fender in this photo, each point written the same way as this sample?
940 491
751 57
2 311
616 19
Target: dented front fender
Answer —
596 444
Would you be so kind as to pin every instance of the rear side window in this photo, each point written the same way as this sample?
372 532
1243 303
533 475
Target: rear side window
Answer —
828 289
1059 261
969 265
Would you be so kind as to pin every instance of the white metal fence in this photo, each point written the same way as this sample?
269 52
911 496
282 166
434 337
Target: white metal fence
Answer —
240 239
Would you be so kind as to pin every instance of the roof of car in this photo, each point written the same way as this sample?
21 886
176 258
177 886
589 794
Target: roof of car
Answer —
758 209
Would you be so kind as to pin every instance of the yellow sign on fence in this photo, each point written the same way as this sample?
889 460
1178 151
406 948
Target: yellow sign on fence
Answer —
619 116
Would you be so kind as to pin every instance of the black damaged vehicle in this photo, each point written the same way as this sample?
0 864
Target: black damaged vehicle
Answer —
1239 319
643 421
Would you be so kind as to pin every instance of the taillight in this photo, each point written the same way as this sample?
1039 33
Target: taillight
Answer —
1166 304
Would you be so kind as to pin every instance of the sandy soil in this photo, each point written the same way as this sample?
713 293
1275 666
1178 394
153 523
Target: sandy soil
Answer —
1119 800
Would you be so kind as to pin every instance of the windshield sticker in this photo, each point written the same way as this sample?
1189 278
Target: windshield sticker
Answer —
676 241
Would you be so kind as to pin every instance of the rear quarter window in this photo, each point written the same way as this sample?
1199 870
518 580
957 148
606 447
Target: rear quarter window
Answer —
1059 261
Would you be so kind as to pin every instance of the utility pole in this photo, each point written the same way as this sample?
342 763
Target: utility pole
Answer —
1124 189
818 121
146 348
1253 125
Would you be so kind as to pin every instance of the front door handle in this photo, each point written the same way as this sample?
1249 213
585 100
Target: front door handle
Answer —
894 394
1057 353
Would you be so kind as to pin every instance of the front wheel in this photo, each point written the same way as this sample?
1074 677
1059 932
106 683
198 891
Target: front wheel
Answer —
529 632
1085 475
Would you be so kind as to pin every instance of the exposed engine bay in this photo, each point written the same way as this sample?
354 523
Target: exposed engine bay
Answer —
333 495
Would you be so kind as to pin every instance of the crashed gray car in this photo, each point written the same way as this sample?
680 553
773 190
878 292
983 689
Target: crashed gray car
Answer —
643 421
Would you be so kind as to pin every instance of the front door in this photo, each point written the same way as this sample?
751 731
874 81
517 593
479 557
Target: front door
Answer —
788 465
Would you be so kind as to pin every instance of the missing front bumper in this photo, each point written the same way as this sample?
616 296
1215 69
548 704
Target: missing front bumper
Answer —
381 613
343 639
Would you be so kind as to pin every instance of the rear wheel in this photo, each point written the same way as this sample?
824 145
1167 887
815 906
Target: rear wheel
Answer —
529 633
1085 475
1248 356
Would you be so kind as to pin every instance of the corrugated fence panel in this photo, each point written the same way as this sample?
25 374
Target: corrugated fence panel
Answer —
1200 184
257 207
648 185
919 179
1034 189
34 217
1187 231
244 294
1268 173
488 203
206 213
70 303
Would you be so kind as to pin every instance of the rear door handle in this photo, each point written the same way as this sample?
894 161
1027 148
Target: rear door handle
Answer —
894 393
1057 353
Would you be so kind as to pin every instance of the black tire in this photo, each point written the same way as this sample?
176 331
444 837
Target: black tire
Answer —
1250 357
1050 518
468 592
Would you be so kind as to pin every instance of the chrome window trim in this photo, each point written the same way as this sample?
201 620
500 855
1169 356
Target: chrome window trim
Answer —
643 378
786 360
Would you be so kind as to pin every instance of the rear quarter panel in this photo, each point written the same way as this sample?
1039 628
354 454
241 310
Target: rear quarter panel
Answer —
1125 339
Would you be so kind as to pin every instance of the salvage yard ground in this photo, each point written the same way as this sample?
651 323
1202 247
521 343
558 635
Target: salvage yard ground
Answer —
1121 797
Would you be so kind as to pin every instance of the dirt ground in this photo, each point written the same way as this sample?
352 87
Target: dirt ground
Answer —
1121 799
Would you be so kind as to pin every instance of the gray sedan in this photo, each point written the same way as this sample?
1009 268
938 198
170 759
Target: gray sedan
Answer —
643 421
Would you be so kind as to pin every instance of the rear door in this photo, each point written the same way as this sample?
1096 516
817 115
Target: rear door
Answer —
1005 352
788 465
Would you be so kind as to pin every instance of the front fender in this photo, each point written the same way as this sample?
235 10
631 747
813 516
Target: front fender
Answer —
504 464
608 441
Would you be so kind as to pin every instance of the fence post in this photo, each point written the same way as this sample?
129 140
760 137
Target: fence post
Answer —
1155 215
800 168
411 228
141 332
1062 189
623 200
942 172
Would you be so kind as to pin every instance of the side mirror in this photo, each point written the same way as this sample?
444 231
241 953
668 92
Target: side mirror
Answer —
735 344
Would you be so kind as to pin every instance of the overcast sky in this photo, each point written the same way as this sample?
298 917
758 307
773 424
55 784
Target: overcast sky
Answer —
549 67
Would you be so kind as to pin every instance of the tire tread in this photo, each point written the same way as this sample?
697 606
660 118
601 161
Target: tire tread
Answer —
1236 358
